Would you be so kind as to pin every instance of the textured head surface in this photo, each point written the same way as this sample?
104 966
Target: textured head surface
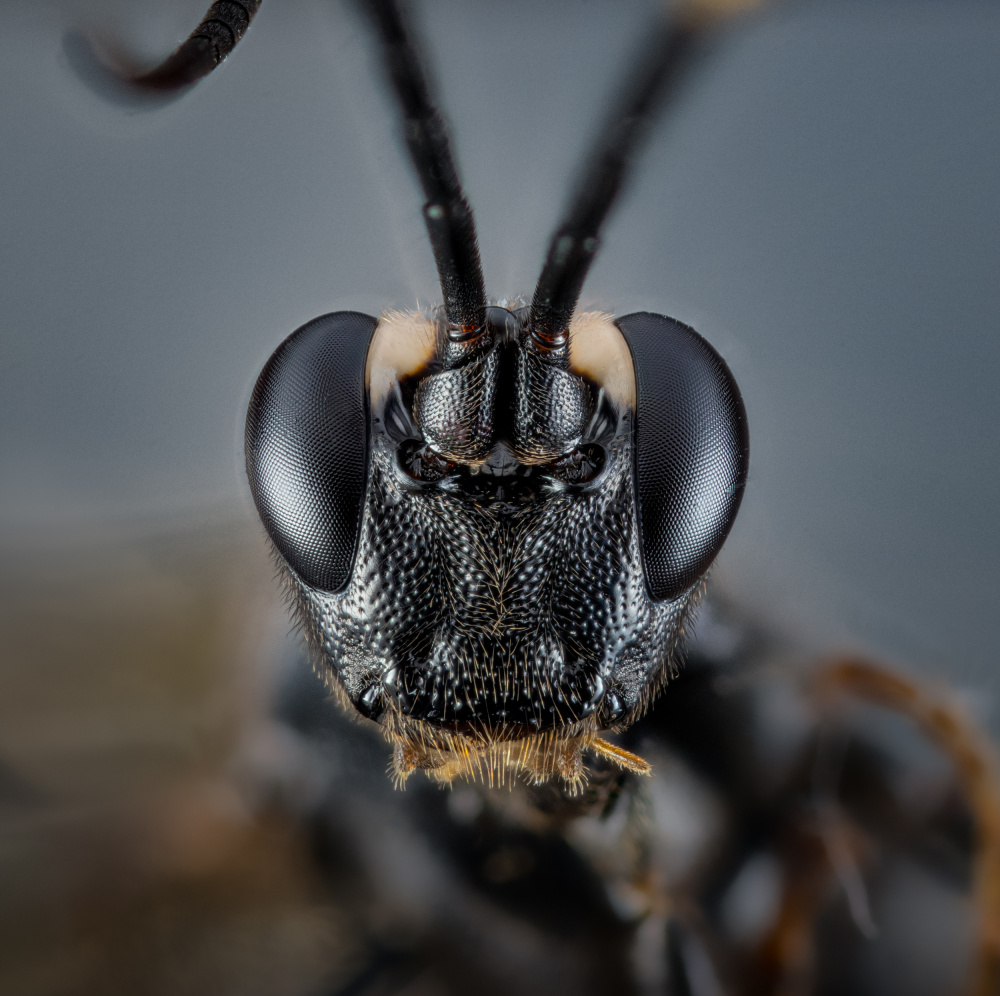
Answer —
497 614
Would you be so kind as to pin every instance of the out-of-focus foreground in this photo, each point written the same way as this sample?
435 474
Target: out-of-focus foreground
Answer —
134 855
183 809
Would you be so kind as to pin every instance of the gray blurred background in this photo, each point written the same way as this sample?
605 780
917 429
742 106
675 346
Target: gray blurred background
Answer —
823 205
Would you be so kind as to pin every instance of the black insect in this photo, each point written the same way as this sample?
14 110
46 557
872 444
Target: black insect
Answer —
495 519
494 531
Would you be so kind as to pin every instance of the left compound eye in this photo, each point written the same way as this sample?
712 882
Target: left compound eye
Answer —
692 450
307 446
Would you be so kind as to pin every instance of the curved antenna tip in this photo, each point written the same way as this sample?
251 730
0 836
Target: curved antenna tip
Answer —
108 75
114 76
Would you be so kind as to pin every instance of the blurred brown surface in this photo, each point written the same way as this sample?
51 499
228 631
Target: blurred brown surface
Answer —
130 860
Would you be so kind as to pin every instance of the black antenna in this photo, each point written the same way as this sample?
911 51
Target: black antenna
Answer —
447 213
205 48
658 70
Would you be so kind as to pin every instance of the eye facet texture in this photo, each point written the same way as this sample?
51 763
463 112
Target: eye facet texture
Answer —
692 450
307 446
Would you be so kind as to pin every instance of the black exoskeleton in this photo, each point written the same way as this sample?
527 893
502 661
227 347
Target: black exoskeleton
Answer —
495 521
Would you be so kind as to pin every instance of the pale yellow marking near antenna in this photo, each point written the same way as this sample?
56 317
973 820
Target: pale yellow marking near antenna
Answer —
403 344
598 350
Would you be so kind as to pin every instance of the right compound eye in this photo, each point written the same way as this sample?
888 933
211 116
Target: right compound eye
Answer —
420 463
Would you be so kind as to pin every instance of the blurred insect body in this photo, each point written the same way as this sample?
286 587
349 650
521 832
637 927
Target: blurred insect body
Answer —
802 832
495 522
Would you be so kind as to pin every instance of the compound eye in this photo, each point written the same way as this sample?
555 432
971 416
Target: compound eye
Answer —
692 450
307 446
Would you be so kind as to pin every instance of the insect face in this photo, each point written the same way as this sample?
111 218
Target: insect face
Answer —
495 522
511 593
